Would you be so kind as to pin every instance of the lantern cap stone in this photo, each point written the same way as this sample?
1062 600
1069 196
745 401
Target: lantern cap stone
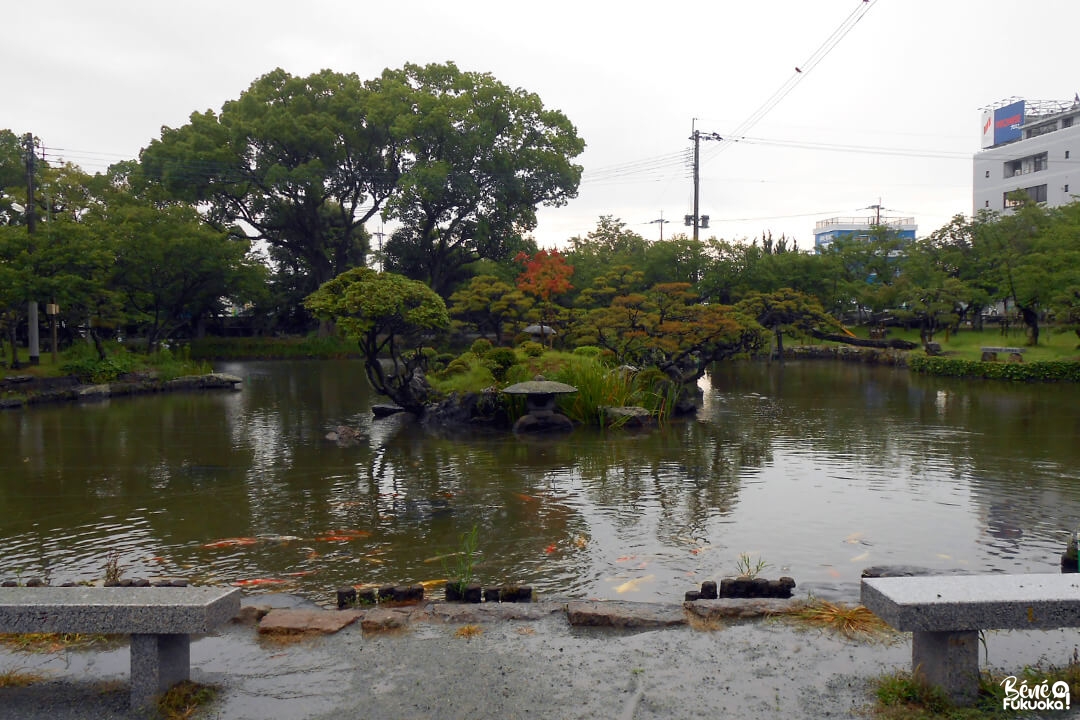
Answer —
540 386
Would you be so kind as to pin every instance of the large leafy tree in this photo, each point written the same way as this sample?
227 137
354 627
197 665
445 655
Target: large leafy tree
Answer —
301 162
1030 259
869 268
479 158
60 262
388 314
611 243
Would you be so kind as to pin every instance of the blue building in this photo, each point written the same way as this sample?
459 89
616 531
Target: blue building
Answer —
827 231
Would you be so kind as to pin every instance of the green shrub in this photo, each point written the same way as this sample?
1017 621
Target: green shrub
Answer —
1050 371
481 346
472 379
83 362
532 348
457 366
588 351
499 360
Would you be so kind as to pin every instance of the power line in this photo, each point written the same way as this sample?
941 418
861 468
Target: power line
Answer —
800 72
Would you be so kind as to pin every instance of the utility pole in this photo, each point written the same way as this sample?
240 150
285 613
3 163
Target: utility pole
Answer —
31 226
697 136
877 211
661 222
380 235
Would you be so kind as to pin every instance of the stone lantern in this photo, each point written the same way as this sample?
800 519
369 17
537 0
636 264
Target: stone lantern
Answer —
540 414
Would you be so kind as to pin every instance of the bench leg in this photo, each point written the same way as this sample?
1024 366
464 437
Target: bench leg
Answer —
157 663
949 660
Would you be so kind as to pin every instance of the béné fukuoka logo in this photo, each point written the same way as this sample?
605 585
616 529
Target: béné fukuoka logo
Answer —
1019 695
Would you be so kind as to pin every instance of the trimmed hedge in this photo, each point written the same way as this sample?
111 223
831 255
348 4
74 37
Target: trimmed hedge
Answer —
1050 371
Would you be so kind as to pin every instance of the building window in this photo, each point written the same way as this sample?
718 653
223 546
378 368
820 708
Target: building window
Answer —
1066 154
987 203
987 173
1037 193
1066 187
1041 130
1039 162
1067 122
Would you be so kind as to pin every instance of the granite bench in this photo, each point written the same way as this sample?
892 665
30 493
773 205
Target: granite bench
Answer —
160 621
946 613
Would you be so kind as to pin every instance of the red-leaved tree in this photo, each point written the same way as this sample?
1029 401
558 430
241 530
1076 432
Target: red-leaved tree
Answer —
544 275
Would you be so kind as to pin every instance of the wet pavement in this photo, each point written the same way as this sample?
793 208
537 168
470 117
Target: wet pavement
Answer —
540 667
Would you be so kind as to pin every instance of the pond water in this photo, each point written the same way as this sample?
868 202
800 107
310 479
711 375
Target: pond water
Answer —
818 469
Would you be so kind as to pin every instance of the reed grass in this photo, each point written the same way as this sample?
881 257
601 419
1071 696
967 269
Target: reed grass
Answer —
854 622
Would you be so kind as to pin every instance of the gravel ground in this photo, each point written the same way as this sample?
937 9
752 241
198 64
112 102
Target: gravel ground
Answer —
513 669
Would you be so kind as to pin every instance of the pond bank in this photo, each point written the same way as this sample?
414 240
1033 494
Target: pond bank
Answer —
17 391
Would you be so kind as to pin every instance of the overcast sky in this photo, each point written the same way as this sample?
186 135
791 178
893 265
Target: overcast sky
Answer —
889 114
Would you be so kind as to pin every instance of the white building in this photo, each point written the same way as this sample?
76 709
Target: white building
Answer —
1029 146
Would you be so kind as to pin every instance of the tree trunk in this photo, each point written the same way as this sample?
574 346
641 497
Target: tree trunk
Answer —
14 348
1031 319
97 343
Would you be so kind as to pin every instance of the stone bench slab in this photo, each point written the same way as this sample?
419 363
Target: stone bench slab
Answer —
114 610
975 602
160 622
946 613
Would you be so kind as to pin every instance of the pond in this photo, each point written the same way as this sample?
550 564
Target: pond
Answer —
816 469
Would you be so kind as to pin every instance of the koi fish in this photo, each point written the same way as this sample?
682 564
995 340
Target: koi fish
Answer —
626 558
351 534
550 548
342 535
631 585
581 541
300 573
278 538
526 498
258 581
858 558
231 542
853 538
431 584
437 558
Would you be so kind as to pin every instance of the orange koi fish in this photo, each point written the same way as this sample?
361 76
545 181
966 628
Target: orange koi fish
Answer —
258 581
231 542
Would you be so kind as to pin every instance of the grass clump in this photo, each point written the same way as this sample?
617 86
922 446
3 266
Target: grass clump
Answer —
854 622
462 563
55 642
901 696
17 677
468 632
185 699
748 567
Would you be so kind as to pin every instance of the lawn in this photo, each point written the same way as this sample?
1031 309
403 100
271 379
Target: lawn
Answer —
966 344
